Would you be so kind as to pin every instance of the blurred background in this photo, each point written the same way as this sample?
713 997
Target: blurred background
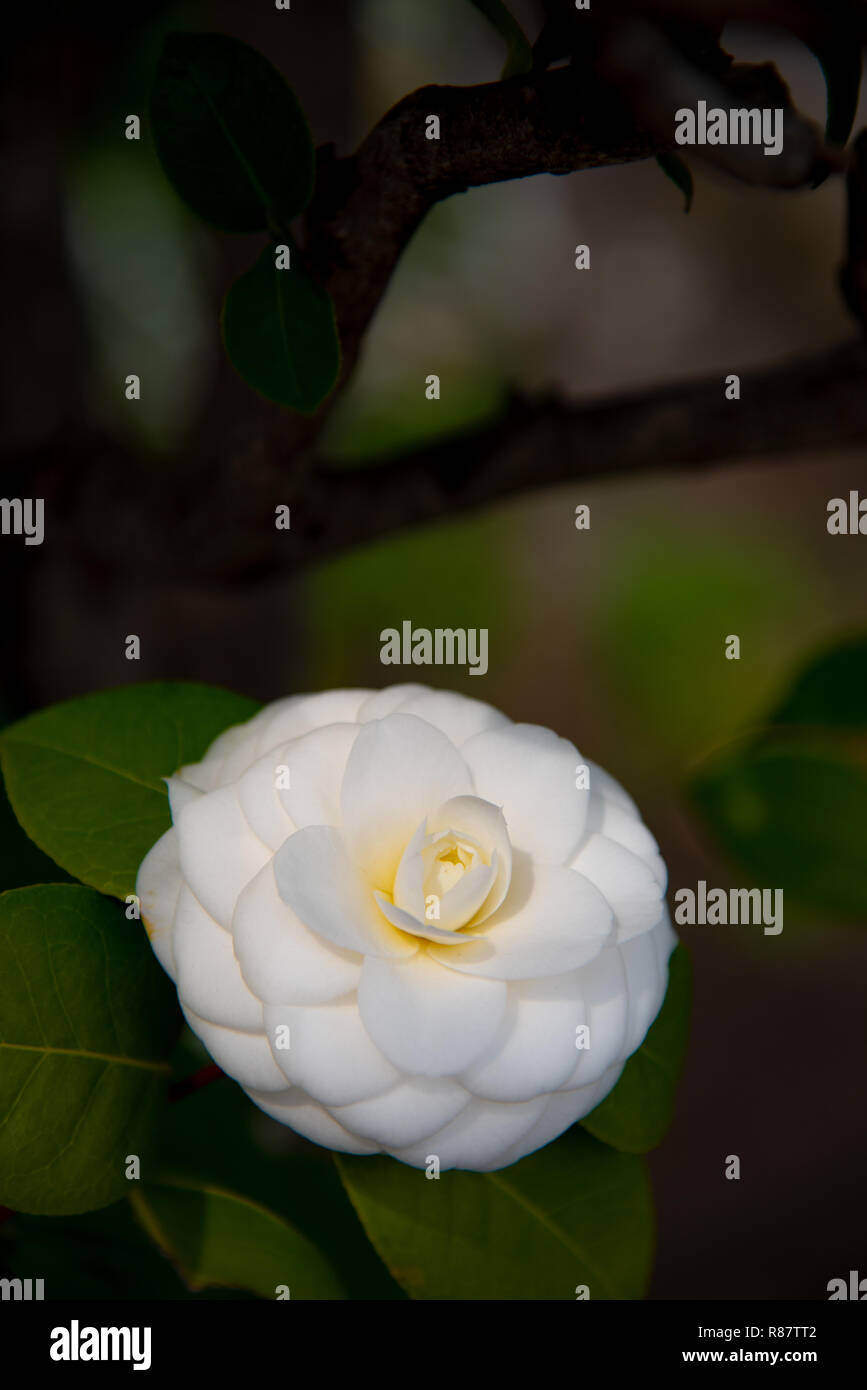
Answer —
613 636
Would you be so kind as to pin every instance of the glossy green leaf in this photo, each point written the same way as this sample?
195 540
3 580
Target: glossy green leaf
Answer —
680 174
85 777
832 690
520 54
22 862
87 1023
280 334
230 134
636 1114
218 1238
576 1212
790 808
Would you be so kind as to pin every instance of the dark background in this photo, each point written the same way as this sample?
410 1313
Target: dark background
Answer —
614 637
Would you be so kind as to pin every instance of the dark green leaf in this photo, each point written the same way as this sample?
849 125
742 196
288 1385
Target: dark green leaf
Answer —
22 862
230 134
87 1022
791 808
85 777
219 1238
637 1113
576 1212
520 54
832 690
280 334
680 174
218 1136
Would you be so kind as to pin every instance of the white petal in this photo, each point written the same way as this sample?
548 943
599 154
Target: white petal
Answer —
603 784
330 1055
283 962
209 978
383 702
317 763
645 982
564 1108
607 1003
552 921
478 1137
290 720
424 930
246 1057
319 881
457 715
407 1114
627 883
260 800
530 772
157 887
615 823
484 821
206 774
428 1021
313 1121
219 852
181 793
534 1051
399 770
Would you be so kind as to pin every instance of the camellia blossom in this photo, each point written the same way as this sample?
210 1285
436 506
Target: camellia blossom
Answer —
405 924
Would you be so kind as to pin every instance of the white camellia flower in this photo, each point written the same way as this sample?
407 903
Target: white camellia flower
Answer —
396 951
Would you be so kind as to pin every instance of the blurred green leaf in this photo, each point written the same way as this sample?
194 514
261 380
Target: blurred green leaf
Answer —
87 1023
216 1237
831 690
520 54
791 808
680 174
636 1114
575 1212
85 777
230 134
662 637
280 333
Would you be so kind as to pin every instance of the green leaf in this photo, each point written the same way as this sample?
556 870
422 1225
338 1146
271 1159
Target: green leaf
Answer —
680 174
575 1212
230 134
791 808
85 777
218 1136
218 1238
280 333
21 862
832 690
636 1114
520 54
87 1022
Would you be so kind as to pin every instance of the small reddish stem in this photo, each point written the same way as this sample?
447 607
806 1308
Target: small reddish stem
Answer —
179 1090
5 1213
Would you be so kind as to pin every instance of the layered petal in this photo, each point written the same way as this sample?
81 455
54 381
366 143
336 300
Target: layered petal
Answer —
328 893
281 960
426 1020
158 885
408 1114
399 768
553 920
218 851
208 976
531 773
627 882
328 1052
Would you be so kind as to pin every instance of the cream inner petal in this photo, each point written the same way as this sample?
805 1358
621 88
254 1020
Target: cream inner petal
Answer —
448 878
